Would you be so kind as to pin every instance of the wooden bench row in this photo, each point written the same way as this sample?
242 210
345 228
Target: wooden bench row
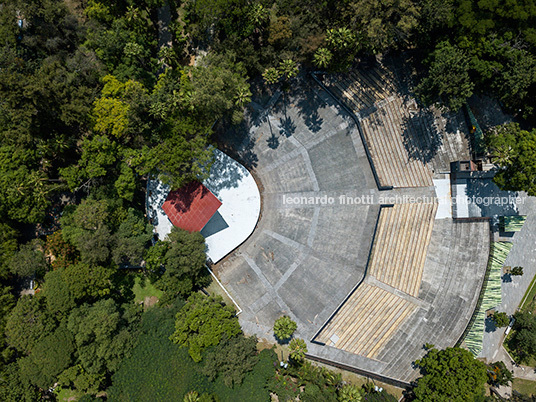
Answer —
367 321
395 166
400 245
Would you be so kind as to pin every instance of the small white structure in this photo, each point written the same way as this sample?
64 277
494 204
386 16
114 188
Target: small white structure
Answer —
444 198
461 199
234 220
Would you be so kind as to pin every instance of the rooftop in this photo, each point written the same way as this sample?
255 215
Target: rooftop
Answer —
191 206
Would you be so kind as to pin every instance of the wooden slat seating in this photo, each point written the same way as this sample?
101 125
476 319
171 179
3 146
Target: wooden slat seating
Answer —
400 245
384 127
353 95
394 165
366 322
362 89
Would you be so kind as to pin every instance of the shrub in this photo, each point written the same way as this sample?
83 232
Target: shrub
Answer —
517 271
498 374
500 319
350 393
284 327
298 349
284 386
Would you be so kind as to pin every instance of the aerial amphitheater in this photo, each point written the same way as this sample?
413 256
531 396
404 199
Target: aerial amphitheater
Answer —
364 236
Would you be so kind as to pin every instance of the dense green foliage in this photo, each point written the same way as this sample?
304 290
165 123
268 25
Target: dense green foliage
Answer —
448 79
514 150
93 102
522 341
160 370
182 255
500 319
231 360
204 322
350 393
498 374
452 374
298 349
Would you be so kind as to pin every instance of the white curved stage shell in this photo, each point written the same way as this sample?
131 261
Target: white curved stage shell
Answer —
236 218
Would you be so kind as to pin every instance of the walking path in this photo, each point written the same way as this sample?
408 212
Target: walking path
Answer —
523 253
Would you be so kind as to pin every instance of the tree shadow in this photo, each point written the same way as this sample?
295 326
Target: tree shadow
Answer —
488 111
225 173
507 278
123 283
421 138
273 141
285 341
287 126
238 142
487 200
490 325
308 103
313 121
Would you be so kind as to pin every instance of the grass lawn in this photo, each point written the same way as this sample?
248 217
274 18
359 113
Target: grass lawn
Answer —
525 387
528 303
67 395
215 290
143 288
529 294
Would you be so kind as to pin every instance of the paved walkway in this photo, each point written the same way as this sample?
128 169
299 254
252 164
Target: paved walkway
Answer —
523 253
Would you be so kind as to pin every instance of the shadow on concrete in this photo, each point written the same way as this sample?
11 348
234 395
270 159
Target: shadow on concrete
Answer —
214 225
490 325
235 141
488 200
420 136
488 111
308 104
224 174
288 127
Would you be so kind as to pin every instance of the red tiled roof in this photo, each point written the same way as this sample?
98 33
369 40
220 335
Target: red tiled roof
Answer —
191 206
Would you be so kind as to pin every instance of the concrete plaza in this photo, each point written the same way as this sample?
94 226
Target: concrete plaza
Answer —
312 243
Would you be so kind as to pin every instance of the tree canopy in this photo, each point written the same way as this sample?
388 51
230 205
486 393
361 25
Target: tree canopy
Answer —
452 374
203 322
97 97
284 327
514 150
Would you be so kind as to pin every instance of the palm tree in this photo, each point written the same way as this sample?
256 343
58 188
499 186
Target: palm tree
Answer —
243 95
191 396
298 349
350 393
258 15
271 75
340 38
322 57
288 68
